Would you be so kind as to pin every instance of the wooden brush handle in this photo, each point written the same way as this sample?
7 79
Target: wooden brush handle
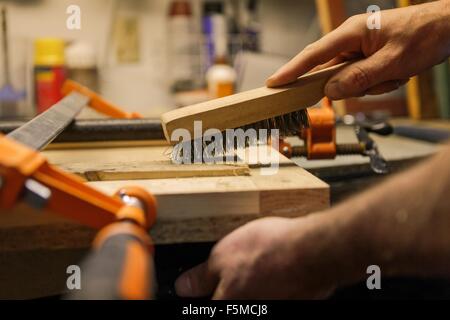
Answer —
250 106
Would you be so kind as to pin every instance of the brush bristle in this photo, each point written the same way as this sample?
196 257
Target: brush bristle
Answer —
197 150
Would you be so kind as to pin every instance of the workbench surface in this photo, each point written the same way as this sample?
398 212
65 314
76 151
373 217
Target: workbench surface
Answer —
36 247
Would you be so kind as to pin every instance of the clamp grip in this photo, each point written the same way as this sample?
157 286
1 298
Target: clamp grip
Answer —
121 264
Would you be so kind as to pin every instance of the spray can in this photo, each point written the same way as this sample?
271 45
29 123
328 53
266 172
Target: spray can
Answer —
49 71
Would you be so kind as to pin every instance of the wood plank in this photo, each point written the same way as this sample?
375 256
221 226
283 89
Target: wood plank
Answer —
152 170
153 163
189 209
105 144
108 155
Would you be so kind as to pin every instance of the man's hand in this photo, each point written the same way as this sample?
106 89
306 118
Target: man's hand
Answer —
410 40
267 258
400 225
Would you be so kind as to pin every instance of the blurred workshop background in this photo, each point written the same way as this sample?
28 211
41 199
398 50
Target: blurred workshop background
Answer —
151 56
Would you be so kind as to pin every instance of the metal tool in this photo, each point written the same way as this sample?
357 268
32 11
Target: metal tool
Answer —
279 108
320 138
92 130
41 130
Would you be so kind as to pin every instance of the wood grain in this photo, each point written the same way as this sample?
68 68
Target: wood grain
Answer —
184 205
127 163
151 170
189 196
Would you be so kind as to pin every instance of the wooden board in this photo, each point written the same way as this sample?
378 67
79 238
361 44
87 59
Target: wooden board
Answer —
190 208
123 163
151 170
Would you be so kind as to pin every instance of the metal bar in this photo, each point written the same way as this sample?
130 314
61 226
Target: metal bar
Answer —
93 130
112 130
43 129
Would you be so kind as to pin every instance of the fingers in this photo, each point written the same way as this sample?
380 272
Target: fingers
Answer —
386 86
332 62
331 45
343 57
220 292
199 281
356 79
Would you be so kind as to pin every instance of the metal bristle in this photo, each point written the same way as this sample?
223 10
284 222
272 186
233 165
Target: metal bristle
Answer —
197 151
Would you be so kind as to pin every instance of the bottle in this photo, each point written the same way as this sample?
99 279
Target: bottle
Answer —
49 71
181 45
81 64
215 31
251 28
221 79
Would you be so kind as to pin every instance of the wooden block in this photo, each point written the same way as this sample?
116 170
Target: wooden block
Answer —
211 205
152 170
108 155
189 209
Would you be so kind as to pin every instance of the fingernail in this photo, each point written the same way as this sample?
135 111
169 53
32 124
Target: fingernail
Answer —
333 90
183 285
271 81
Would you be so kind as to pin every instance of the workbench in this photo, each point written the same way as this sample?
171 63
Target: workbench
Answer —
196 203
195 208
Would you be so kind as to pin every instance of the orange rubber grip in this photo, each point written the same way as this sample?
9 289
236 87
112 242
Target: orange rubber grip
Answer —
120 265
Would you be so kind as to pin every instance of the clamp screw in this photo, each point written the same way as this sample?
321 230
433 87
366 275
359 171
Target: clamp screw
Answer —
131 201
36 194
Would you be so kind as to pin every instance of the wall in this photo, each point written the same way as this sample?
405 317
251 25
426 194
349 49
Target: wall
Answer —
287 27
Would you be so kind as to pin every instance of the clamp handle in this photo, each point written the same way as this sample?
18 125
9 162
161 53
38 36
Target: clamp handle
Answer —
98 103
120 265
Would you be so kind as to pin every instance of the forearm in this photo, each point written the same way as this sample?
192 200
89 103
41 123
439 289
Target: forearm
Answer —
402 225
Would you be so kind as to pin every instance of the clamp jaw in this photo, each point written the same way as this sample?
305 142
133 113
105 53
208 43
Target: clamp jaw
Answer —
320 138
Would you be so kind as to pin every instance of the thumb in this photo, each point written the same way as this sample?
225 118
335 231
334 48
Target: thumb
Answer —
199 281
358 77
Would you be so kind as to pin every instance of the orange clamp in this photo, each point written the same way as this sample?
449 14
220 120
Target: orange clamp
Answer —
70 196
320 136
98 103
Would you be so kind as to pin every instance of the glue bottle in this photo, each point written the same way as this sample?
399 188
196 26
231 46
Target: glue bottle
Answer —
221 79
49 71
